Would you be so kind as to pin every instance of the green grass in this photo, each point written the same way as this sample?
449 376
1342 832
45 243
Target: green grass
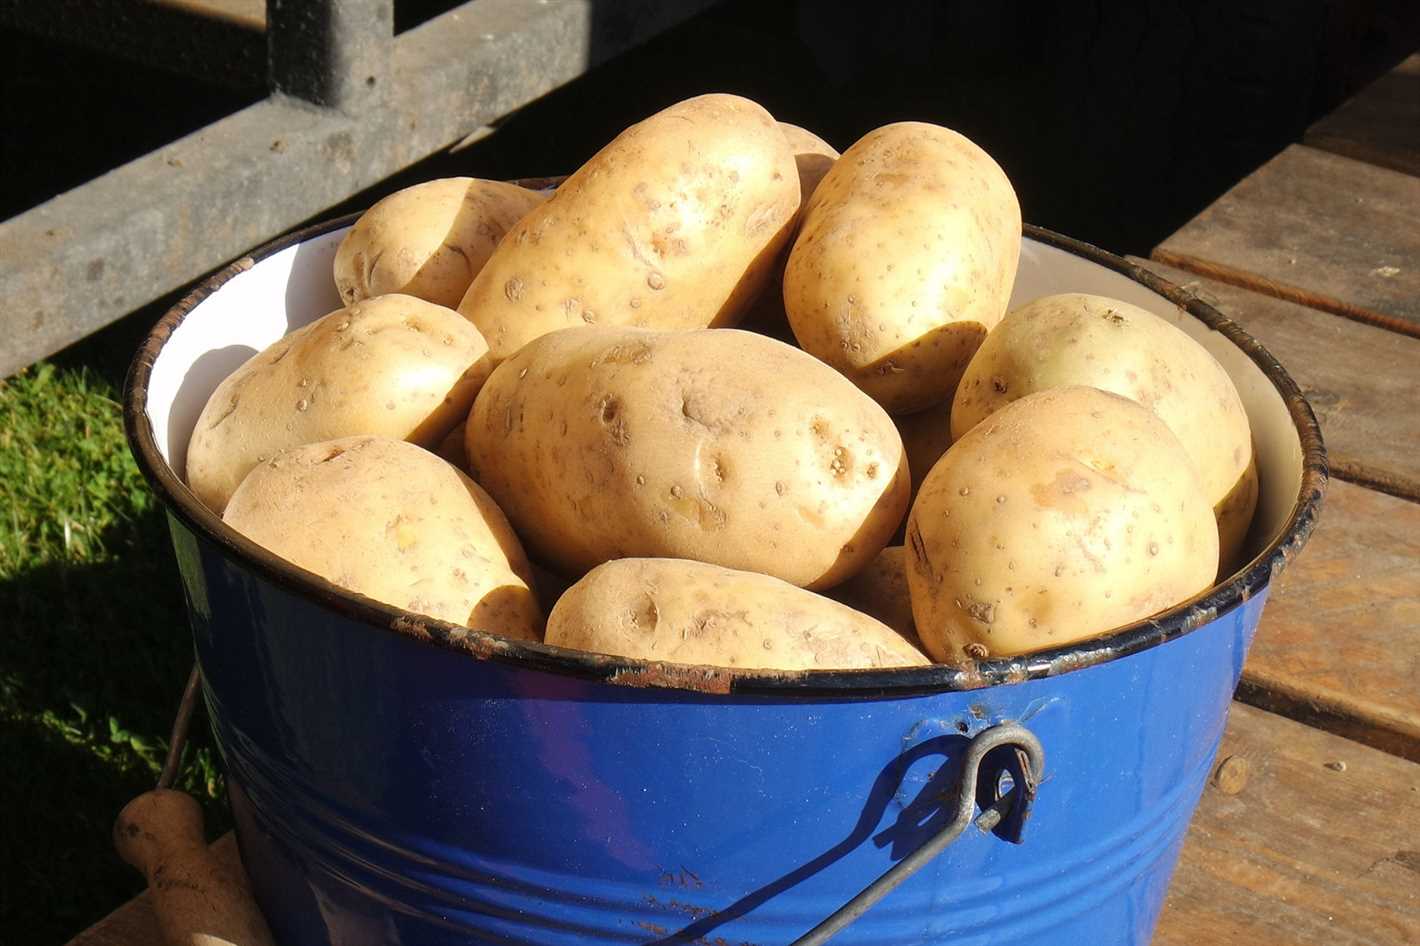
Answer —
94 645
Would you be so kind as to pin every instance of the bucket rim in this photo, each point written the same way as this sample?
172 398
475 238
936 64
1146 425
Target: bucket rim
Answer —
1177 621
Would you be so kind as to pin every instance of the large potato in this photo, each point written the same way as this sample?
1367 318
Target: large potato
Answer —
1075 338
390 521
1066 514
694 613
766 317
926 435
675 224
429 240
392 366
451 448
903 262
812 155
718 445
880 591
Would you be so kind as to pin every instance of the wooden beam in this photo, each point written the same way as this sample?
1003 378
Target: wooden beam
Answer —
331 53
88 257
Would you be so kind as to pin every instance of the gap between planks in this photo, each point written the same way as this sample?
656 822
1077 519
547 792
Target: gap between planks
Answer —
1307 297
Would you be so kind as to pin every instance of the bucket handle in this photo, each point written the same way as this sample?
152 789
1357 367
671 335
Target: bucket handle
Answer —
1031 757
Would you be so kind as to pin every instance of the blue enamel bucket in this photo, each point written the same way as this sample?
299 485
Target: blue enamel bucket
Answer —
400 781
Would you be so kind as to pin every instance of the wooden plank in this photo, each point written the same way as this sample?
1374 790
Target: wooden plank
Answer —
1318 843
1298 854
1316 228
1339 643
134 924
1361 380
1381 125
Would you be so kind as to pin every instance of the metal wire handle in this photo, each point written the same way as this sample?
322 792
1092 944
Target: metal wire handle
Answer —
1033 764
177 742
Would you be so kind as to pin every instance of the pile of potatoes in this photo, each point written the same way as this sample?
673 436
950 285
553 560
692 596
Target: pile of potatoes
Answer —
534 415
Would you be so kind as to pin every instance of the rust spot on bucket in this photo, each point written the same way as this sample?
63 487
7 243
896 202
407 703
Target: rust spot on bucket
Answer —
1197 617
413 626
477 644
1079 659
970 676
691 910
700 679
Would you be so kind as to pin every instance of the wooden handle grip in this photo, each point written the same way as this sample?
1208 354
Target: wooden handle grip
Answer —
198 902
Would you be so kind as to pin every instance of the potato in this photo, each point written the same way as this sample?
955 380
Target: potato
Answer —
926 435
390 521
812 155
1234 513
451 448
904 260
1075 338
550 587
717 445
1065 515
694 613
880 591
392 366
766 317
675 224
429 240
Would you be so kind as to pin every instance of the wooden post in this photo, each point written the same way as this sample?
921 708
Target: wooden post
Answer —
331 53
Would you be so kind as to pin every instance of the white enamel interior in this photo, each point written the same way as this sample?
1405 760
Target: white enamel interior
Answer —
294 286
254 309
